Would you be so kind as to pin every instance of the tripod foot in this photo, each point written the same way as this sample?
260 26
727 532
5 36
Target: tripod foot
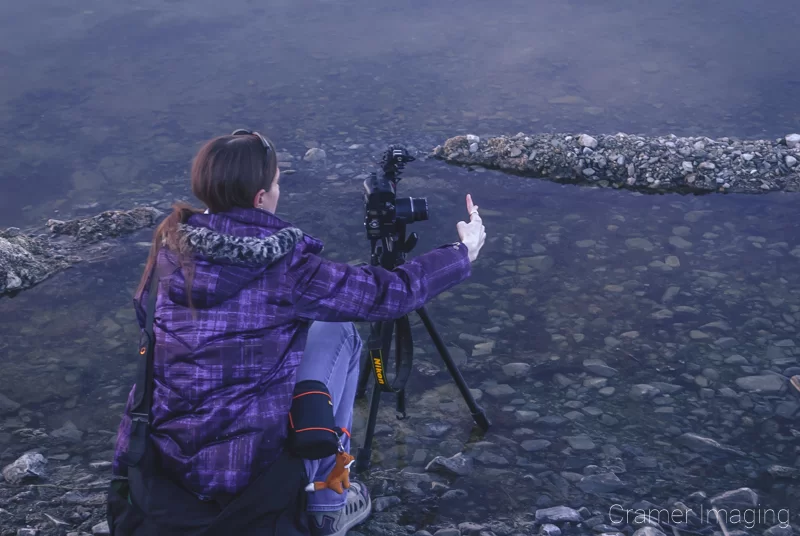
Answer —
363 459
481 419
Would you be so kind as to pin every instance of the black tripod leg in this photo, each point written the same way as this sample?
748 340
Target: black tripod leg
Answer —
365 452
364 376
478 413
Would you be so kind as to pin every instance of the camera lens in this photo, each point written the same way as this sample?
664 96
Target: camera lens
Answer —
411 209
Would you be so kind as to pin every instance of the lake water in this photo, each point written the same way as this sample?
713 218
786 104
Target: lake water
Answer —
104 105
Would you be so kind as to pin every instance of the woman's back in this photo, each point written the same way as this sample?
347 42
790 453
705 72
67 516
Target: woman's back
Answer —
225 363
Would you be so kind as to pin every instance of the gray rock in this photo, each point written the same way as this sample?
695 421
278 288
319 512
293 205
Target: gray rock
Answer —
315 154
557 514
7 406
779 530
648 531
549 530
791 161
587 141
599 367
793 141
101 529
639 243
738 498
767 383
383 503
30 465
515 370
68 432
470 529
447 532
27 531
500 390
534 445
601 483
581 442
787 409
698 443
458 464
642 391
454 495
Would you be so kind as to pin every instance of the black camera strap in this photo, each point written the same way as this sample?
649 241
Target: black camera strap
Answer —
143 396
379 344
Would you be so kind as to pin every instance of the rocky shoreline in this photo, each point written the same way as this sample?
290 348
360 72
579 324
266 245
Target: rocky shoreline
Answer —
653 164
27 259
47 496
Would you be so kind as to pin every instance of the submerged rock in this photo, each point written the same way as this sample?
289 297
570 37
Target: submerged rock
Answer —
27 260
664 163
108 224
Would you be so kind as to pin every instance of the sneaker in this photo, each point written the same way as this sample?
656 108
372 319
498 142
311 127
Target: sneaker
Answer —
355 511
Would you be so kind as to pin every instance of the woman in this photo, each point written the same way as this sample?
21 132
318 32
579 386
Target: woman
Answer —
246 308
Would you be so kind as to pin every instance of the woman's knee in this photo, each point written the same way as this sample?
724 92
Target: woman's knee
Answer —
334 333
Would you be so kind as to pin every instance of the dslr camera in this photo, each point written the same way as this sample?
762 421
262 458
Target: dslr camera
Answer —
386 215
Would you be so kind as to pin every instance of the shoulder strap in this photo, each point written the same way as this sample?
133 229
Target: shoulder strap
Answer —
143 396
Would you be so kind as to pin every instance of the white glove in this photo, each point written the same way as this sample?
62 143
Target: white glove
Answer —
472 234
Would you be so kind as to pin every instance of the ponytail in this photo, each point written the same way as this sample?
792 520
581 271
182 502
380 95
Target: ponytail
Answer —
166 234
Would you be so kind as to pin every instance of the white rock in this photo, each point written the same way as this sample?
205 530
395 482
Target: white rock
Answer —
473 147
687 166
473 139
315 155
748 157
587 141
793 140
791 161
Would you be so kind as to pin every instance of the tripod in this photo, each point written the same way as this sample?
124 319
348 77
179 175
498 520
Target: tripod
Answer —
383 254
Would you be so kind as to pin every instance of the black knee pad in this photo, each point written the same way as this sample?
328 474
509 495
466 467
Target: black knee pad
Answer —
313 433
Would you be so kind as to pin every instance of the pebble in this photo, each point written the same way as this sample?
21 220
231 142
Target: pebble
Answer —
768 383
600 368
581 442
549 530
315 154
642 391
534 445
737 498
791 161
7 406
557 514
587 141
515 370
101 529
380 504
601 483
458 464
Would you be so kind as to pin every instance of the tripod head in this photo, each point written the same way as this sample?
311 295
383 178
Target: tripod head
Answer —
386 215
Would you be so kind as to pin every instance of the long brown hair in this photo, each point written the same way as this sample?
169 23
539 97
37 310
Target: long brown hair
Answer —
227 172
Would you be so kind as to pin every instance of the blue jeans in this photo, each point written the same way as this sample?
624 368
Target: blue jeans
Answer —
332 356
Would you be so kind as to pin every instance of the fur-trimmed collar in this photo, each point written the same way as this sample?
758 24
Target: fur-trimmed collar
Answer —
238 249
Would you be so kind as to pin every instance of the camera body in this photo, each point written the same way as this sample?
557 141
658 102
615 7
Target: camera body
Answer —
385 215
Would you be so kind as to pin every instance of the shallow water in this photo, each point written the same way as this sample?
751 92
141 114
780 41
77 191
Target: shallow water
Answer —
108 106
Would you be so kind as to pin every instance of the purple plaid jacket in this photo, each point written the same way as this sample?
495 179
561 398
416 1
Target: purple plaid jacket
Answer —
224 374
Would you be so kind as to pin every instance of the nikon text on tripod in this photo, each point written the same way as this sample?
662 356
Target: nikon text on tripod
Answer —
386 219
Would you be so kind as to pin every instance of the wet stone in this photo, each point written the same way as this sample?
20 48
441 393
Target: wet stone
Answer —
601 483
557 514
761 384
500 390
639 243
643 391
534 445
738 498
458 465
599 367
549 529
580 442
515 370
